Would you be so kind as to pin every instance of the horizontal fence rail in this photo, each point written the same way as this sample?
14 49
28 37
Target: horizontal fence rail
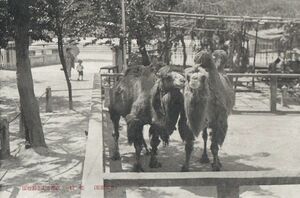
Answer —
263 75
240 178
227 183
227 17
112 74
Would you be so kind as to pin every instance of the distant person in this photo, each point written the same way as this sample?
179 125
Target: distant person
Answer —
79 69
273 66
70 61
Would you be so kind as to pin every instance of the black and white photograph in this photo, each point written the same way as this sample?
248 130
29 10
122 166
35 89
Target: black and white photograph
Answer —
149 98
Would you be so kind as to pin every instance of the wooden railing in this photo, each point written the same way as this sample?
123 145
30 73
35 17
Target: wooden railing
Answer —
273 84
227 182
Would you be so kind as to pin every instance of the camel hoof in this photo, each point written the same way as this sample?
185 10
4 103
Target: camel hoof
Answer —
216 166
185 168
154 163
138 168
116 156
27 145
204 159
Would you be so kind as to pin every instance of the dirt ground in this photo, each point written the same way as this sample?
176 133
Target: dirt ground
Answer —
253 143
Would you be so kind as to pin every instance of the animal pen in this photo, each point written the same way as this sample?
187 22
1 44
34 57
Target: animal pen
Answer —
227 183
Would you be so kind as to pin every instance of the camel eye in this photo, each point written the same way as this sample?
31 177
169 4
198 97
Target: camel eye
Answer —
194 77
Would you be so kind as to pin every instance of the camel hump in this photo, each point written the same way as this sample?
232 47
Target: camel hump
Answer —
220 54
228 90
136 70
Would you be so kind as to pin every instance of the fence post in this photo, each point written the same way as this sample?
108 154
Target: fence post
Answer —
4 139
227 190
106 96
48 100
273 95
284 95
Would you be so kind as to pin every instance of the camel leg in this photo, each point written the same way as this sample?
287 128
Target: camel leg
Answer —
115 119
146 147
189 147
216 165
154 142
138 148
204 158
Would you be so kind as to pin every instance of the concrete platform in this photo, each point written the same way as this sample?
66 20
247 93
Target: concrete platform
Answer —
93 167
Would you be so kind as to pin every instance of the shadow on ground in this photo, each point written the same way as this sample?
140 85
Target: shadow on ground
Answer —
172 158
60 164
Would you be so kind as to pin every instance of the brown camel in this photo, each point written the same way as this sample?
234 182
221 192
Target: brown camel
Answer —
208 98
144 97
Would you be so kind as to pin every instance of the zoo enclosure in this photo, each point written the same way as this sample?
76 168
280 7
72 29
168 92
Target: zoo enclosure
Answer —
227 183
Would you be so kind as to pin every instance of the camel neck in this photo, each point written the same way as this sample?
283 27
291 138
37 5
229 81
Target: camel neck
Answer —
213 73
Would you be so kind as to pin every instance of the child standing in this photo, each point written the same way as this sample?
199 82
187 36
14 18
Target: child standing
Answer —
79 68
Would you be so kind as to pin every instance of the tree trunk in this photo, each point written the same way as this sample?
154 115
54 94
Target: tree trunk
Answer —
63 62
28 101
230 61
129 46
183 49
167 45
142 48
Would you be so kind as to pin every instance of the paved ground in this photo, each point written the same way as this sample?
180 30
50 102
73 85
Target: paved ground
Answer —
61 166
259 100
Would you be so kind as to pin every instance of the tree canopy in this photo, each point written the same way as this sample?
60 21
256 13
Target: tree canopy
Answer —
4 23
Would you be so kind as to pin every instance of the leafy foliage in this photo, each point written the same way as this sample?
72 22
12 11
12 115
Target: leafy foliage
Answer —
4 23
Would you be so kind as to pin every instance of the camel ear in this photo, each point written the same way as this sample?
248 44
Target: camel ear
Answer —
129 118
188 72
204 79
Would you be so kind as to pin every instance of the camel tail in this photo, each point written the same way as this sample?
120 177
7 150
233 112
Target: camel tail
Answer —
221 131
134 130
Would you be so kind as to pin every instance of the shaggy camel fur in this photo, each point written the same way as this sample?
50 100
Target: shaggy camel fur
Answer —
209 99
143 97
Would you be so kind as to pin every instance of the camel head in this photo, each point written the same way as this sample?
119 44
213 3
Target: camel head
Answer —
170 79
196 78
205 60
220 59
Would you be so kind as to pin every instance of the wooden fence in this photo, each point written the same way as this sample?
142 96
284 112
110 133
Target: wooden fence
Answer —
227 183
273 79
